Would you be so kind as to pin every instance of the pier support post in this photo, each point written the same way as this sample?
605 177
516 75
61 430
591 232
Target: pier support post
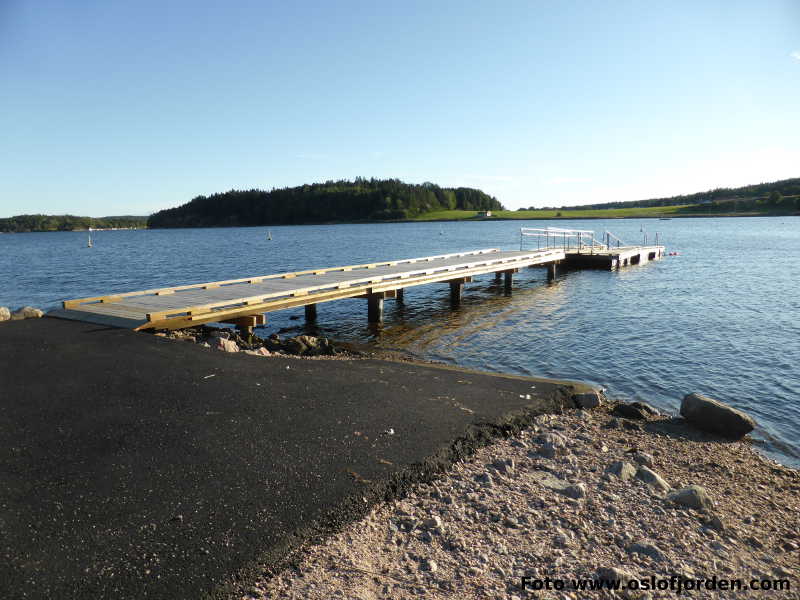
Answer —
399 296
375 308
508 279
498 276
245 325
311 312
551 271
456 290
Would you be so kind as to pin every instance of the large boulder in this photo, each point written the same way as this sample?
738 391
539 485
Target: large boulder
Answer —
5 314
716 417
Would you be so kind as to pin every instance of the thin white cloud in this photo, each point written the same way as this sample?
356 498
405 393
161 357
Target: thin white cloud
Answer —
795 55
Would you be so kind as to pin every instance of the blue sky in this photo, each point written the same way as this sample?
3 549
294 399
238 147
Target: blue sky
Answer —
111 107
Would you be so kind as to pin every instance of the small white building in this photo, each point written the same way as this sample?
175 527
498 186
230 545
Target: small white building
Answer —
484 213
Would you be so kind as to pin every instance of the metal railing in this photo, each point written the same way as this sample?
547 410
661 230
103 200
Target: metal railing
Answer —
610 239
580 240
555 237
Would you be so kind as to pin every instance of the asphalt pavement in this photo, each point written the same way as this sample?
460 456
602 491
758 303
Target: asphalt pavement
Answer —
134 466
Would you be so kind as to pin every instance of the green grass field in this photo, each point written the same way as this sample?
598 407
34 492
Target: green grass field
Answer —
746 209
611 213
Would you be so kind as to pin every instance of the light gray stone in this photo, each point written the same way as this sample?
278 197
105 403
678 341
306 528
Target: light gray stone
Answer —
693 496
5 314
643 458
550 481
653 479
646 549
576 491
717 417
621 469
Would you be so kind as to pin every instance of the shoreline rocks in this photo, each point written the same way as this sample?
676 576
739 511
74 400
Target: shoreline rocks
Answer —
229 340
24 312
717 417
579 509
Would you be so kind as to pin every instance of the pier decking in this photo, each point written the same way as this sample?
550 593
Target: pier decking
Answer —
244 302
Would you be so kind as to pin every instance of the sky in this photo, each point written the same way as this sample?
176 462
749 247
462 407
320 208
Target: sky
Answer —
113 107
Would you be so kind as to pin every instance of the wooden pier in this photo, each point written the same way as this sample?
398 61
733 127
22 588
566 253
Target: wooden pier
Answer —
245 302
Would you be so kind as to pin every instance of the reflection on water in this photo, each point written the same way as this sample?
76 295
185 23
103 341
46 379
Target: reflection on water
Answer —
721 318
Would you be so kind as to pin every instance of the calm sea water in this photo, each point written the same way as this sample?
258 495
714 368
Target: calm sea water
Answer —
721 318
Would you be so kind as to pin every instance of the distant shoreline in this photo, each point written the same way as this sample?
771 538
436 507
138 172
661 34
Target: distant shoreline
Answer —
442 220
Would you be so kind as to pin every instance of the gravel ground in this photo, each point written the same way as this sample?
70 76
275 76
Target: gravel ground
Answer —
571 497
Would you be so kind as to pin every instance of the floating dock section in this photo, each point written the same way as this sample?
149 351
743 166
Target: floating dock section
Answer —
245 302
582 250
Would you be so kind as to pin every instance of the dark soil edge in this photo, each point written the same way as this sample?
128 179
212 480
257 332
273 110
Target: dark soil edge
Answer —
283 554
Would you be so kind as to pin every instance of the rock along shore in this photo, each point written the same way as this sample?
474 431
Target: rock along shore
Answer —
577 495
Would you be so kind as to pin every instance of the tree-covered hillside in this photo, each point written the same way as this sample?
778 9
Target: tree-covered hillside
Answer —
26 223
359 200
778 194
